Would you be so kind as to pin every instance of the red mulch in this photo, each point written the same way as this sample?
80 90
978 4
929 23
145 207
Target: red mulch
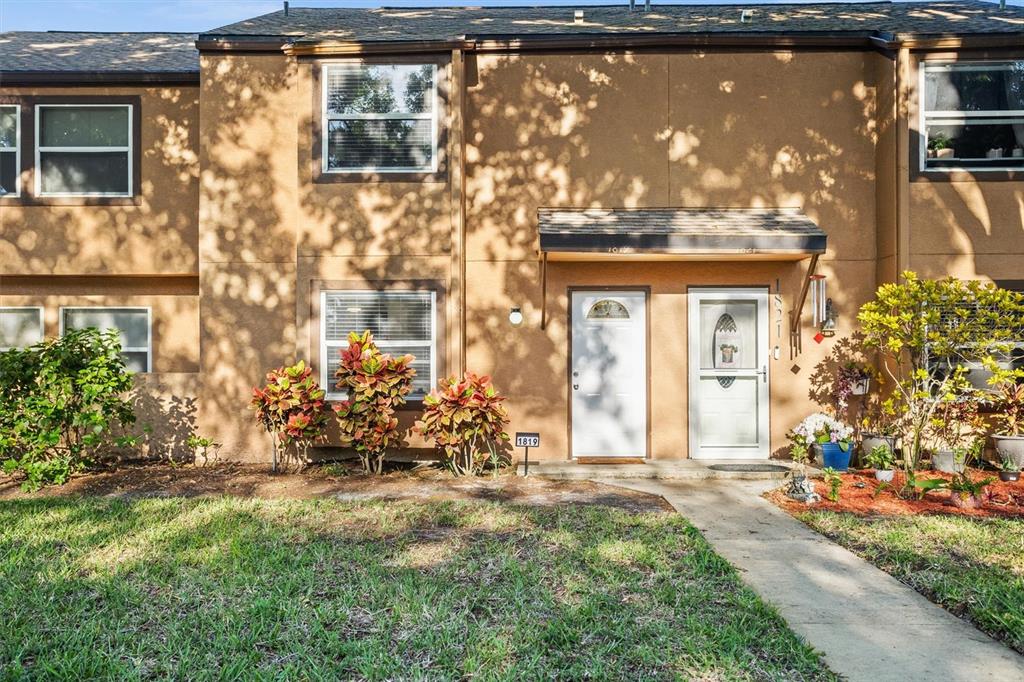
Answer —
858 496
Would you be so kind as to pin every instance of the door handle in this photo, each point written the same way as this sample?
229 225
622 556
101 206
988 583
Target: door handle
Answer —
575 387
764 373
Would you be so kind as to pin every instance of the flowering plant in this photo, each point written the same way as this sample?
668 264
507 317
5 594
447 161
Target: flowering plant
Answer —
821 428
848 378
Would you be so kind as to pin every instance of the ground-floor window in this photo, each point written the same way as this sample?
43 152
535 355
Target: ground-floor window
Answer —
20 326
401 321
133 323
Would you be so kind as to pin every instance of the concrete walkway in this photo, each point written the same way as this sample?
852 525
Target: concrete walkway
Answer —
868 625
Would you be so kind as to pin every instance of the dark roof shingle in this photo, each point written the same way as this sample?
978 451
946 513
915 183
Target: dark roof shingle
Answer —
72 52
449 23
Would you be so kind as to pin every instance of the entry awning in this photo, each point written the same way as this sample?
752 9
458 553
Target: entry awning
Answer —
683 233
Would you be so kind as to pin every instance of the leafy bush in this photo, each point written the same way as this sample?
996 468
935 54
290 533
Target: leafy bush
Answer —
834 482
61 402
466 421
928 331
291 407
377 385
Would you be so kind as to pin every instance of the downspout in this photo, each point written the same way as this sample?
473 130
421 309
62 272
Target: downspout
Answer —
458 202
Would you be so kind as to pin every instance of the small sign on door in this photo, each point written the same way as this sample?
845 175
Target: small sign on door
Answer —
527 440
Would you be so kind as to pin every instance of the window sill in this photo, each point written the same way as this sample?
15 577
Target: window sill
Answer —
968 175
28 201
423 177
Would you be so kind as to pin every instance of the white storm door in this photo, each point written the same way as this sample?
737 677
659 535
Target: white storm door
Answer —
608 374
728 373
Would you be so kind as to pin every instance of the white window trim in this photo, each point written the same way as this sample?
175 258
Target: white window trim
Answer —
943 116
129 149
38 308
148 350
326 118
17 151
327 383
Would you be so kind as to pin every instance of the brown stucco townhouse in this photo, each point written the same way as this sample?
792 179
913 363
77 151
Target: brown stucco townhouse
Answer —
614 211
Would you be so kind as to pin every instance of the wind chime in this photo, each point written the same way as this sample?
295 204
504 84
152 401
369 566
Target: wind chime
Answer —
818 300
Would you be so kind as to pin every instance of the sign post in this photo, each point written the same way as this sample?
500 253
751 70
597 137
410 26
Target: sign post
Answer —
527 440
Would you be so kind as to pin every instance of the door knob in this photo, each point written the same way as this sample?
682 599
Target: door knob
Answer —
575 387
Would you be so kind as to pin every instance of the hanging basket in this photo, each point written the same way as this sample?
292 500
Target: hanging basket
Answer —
861 387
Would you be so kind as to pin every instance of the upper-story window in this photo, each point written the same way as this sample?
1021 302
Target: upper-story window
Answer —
84 150
10 150
380 117
973 115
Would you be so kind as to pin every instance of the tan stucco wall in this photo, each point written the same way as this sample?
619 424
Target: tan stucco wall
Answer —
714 129
156 235
966 226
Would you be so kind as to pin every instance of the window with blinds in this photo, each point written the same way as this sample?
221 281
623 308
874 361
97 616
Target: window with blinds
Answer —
133 323
84 150
10 150
401 321
20 326
380 117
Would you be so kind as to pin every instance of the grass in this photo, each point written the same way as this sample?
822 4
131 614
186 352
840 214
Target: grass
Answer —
231 588
974 567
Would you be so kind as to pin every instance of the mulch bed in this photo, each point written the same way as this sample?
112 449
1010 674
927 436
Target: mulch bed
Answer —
860 494
424 483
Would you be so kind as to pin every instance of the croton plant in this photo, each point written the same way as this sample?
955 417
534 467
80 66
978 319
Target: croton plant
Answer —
466 420
377 385
291 407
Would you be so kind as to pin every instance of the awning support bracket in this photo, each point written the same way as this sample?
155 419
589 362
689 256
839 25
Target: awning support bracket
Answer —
795 340
543 290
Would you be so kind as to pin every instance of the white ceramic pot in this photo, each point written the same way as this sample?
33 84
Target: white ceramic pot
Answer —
1010 447
945 461
884 475
861 387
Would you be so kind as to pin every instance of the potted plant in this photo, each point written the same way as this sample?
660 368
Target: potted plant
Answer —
883 461
1009 470
879 427
965 493
939 146
1009 418
954 433
831 436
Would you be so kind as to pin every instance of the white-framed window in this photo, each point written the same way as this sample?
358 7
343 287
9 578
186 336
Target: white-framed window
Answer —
134 323
379 118
10 150
83 150
401 321
972 115
20 326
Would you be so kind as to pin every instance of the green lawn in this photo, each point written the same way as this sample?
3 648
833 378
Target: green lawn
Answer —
233 588
973 567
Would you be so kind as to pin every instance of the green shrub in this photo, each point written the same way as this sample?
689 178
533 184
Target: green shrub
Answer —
377 385
290 407
61 402
466 421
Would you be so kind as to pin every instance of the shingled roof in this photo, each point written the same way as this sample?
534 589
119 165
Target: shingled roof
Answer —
29 53
389 24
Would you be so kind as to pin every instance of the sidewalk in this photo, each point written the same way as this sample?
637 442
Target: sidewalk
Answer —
868 625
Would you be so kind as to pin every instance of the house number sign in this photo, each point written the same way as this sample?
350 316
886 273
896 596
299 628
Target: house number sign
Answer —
527 440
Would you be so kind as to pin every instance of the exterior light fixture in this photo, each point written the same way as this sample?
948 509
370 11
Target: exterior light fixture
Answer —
515 316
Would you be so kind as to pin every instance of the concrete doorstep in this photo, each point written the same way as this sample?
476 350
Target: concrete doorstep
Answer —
868 625
687 469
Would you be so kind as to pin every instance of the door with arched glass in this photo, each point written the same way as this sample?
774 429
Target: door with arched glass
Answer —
608 374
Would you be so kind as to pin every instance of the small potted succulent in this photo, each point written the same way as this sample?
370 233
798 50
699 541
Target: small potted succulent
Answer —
1009 470
1009 419
829 435
883 461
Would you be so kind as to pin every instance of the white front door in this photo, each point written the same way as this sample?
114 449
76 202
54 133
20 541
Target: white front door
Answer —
728 382
608 374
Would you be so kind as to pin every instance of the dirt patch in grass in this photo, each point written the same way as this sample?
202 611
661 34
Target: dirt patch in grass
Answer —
130 481
862 494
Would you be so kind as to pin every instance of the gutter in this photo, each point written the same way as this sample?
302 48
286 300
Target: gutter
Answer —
58 78
862 40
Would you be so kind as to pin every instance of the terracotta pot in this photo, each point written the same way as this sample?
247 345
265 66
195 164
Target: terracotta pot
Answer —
1010 447
961 501
944 153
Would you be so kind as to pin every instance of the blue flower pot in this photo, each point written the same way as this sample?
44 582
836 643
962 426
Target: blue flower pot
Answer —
834 456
